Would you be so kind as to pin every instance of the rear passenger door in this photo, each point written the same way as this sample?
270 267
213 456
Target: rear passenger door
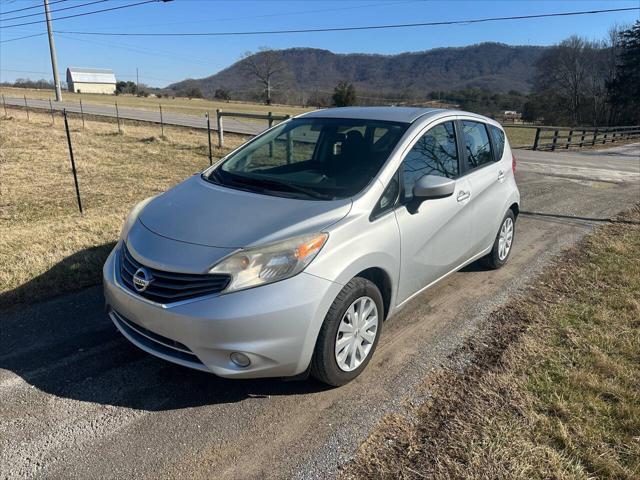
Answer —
486 177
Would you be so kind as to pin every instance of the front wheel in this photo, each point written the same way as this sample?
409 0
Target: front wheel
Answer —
502 245
349 334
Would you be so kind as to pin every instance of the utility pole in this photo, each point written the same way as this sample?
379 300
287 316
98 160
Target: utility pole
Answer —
137 80
52 48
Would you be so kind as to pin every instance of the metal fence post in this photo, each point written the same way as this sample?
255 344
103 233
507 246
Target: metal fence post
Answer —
595 136
26 106
53 119
606 133
220 131
537 139
82 113
582 138
5 106
118 118
73 163
209 138
161 121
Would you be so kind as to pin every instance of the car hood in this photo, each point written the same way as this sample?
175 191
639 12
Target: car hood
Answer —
202 213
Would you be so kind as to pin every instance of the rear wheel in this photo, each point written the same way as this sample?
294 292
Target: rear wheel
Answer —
503 242
349 334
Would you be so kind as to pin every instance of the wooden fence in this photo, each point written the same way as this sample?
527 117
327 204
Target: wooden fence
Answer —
563 138
270 117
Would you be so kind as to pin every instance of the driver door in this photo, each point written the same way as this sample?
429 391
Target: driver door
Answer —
435 238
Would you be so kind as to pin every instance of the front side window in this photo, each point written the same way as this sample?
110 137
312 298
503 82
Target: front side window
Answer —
476 144
318 158
435 153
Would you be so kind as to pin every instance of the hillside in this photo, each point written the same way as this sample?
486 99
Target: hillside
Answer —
492 66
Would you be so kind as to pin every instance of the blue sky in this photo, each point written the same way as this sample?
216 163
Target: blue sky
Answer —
162 60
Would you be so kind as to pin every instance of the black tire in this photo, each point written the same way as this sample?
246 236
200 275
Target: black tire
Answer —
492 260
324 366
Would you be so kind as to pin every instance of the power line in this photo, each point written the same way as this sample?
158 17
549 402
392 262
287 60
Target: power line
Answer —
52 11
86 13
22 38
348 29
30 8
21 71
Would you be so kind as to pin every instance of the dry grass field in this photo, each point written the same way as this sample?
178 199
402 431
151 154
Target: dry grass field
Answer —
547 389
46 246
195 106
520 137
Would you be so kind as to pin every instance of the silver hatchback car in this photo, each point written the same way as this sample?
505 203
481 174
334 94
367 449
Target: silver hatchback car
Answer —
286 257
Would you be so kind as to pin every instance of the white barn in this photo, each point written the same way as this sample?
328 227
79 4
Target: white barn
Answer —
91 80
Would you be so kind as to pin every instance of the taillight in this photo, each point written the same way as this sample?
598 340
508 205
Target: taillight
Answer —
513 163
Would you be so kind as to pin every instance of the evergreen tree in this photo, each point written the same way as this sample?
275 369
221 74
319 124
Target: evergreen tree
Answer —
624 89
344 94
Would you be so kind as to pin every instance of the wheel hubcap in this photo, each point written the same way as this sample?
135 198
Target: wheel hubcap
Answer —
356 333
505 238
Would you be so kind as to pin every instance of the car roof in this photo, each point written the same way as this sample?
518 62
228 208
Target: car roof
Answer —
389 114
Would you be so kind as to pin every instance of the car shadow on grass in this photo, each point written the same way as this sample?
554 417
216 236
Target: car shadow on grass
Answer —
67 347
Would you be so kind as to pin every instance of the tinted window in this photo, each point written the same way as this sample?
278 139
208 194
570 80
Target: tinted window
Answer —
476 142
434 154
497 136
322 158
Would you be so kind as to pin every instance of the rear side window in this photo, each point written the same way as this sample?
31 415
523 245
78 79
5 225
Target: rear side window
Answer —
476 144
497 135
434 154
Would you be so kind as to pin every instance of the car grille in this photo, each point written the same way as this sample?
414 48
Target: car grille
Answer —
169 287
155 342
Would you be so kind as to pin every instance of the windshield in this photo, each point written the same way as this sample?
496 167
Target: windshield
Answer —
317 158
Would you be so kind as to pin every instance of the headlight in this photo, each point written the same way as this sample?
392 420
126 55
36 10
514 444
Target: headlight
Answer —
133 216
270 263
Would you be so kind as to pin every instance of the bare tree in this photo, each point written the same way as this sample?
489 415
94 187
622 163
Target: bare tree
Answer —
269 68
572 75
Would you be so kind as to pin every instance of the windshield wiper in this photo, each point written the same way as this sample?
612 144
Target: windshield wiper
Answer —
287 186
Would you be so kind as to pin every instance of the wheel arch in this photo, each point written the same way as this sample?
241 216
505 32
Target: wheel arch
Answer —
381 279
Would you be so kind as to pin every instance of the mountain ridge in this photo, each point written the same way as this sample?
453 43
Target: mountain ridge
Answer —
491 66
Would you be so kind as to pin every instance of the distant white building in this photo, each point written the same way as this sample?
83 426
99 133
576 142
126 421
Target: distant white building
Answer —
91 80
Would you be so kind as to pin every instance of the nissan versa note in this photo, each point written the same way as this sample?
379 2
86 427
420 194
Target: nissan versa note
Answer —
287 256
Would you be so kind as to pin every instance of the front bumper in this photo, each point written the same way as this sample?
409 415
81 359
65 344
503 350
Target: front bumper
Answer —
275 325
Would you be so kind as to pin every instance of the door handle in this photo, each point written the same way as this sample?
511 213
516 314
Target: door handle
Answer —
500 175
462 196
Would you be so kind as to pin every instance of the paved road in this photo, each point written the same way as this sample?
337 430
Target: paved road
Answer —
230 125
78 401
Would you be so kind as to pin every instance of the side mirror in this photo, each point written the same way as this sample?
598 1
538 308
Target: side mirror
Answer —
432 186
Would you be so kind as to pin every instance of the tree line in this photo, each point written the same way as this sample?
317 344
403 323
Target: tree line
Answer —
583 82
577 82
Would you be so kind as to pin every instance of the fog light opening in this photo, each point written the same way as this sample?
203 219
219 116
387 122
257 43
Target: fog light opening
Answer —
240 359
